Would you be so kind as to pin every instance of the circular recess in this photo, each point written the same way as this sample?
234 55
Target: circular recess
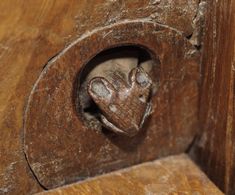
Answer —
61 148
119 59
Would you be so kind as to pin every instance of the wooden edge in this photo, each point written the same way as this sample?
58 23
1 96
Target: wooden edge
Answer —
170 175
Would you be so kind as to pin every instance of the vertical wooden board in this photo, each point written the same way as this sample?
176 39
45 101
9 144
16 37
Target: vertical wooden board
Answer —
215 150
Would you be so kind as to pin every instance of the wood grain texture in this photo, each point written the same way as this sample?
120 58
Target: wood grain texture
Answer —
215 150
174 175
62 148
32 32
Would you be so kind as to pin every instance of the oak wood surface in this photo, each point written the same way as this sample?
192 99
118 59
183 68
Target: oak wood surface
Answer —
31 33
61 148
174 175
215 150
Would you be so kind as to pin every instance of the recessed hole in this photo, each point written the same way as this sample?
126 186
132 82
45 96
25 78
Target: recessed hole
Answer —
120 60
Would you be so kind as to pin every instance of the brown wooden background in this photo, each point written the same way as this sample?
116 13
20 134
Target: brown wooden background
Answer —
31 32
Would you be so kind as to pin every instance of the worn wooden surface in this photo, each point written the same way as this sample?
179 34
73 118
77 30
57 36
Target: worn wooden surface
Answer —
172 175
63 148
215 150
31 33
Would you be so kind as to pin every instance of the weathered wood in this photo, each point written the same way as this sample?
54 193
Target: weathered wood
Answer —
215 150
171 175
61 147
31 33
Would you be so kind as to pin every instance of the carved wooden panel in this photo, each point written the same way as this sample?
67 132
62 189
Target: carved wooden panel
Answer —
33 32
61 147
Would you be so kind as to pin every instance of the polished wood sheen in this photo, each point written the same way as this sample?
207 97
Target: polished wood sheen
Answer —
174 175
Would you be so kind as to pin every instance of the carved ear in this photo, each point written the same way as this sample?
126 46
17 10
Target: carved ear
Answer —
100 90
139 76
142 78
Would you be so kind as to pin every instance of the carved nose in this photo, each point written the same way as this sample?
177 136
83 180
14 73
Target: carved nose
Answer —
125 108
